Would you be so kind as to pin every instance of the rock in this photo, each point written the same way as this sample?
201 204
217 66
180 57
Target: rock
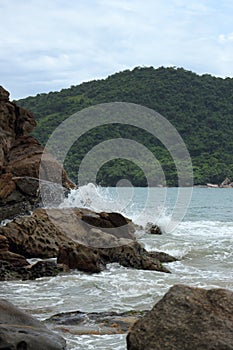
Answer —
162 257
13 259
81 323
109 221
80 257
43 268
226 183
186 318
45 231
19 331
20 159
63 233
34 236
153 229
132 254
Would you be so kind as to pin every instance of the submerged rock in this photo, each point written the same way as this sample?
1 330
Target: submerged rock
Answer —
20 331
186 318
80 323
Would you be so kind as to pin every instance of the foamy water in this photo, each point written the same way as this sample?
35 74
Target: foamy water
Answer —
203 242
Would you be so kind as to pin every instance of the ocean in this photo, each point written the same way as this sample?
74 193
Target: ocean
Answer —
202 240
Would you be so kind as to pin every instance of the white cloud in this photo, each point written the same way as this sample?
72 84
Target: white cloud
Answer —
49 45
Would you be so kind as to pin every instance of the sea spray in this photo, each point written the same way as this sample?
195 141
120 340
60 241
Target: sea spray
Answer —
135 204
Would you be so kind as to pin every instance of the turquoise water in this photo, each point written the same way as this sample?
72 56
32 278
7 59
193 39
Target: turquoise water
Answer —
203 242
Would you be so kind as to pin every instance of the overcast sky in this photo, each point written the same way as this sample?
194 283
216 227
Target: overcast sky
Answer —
47 45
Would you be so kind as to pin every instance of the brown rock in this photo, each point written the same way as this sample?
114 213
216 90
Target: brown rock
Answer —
131 254
4 245
186 319
20 156
4 95
80 257
63 233
15 260
7 185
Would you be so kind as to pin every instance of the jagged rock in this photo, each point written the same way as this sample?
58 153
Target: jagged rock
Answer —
40 269
13 259
42 233
63 233
131 254
20 331
20 157
108 221
153 229
186 318
163 257
80 257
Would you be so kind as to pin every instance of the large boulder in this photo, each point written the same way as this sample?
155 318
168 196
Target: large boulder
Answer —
20 159
186 319
20 331
69 235
46 230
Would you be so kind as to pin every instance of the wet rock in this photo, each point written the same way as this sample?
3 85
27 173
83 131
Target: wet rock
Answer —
107 221
44 268
18 331
8 272
133 255
13 259
34 236
80 323
153 229
63 233
186 318
80 257
20 157
45 231
162 257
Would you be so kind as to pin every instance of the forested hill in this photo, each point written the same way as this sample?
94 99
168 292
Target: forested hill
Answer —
200 107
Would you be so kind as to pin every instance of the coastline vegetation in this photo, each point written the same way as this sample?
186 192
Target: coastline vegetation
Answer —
200 107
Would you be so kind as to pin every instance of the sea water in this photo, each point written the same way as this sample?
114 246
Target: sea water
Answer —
202 241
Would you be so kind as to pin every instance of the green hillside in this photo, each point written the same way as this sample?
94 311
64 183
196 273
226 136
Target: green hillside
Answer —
200 107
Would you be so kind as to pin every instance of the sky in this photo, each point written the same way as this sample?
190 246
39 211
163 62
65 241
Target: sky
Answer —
47 45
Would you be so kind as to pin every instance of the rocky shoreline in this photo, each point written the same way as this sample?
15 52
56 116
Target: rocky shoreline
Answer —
77 238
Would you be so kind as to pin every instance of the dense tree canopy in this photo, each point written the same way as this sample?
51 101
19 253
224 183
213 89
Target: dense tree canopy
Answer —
200 108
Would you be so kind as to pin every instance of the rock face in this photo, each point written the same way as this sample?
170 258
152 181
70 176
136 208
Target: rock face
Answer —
15 260
20 156
68 235
186 319
19 331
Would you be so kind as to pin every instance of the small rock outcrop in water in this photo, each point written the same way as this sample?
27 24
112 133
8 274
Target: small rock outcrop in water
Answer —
19 331
186 318
153 229
20 156
68 235
100 323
